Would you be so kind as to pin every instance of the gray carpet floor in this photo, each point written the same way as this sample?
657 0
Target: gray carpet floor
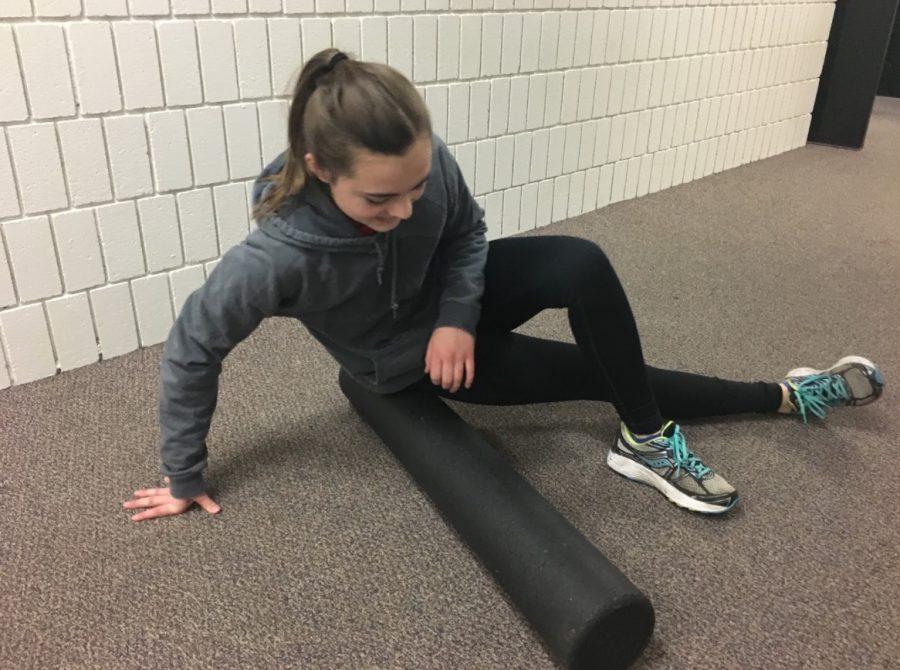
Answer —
327 555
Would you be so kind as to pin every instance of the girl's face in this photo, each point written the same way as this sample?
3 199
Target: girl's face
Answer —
383 189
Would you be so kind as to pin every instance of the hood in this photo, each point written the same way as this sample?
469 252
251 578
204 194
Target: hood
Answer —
309 218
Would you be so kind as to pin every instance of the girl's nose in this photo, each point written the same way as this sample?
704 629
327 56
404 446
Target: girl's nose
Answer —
402 209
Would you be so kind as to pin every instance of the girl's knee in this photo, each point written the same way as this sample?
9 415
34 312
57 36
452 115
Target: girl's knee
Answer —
586 259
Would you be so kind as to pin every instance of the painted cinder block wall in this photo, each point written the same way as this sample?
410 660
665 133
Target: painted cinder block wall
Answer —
131 130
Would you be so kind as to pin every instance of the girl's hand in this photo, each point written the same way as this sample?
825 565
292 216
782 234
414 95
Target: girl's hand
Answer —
161 503
450 357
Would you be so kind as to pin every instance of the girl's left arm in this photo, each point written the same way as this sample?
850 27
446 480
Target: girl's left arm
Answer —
463 253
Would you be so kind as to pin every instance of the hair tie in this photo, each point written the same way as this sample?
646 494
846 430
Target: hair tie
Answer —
338 57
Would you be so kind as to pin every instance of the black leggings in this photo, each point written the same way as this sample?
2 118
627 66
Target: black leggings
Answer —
524 276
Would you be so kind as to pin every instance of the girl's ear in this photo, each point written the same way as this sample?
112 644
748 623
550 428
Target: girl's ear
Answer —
313 167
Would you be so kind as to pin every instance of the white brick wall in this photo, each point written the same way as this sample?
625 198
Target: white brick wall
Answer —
94 63
73 331
131 130
34 266
137 52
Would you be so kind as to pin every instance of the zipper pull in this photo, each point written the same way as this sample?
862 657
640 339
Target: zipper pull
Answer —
379 268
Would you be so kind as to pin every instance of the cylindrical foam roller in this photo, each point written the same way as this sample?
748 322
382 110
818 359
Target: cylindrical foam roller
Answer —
586 611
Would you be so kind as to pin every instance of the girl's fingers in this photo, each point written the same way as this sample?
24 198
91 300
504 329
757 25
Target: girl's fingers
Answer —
470 371
437 371
143 493
149 501
447 375
152 513
434 369
207 503
458 372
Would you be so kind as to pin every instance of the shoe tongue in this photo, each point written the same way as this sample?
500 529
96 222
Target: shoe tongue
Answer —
669 429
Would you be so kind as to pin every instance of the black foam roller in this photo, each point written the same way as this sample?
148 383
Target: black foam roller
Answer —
586 611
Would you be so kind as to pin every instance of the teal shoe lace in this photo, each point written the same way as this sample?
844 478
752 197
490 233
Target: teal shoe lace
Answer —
816 393
684 458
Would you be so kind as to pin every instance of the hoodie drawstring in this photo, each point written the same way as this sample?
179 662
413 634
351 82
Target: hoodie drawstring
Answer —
380 267
380 270
394 263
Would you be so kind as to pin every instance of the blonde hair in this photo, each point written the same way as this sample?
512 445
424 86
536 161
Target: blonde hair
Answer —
336 110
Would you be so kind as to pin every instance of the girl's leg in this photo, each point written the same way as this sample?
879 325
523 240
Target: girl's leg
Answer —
524 276
515 369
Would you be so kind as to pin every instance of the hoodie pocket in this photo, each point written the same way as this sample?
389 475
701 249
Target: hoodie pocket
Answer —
404 353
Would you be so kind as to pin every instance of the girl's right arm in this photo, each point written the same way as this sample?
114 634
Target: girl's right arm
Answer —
242 290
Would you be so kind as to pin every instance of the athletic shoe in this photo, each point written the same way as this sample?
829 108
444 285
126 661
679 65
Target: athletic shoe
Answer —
663 461
853 380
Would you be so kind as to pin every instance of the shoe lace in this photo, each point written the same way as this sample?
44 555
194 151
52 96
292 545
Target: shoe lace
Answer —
684 458
817 393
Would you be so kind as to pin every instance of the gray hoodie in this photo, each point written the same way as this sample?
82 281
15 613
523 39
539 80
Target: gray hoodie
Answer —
372 301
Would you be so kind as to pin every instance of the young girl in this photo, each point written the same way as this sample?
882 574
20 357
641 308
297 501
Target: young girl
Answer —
370 237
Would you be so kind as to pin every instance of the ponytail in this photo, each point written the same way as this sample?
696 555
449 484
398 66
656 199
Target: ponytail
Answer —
341 105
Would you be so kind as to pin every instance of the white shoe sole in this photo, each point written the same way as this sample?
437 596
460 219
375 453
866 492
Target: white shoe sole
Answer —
628 468
859 395
801 372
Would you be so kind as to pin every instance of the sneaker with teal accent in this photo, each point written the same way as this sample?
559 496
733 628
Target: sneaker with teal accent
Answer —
853 380
663 461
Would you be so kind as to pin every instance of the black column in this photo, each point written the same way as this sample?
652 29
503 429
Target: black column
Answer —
890 75
850 75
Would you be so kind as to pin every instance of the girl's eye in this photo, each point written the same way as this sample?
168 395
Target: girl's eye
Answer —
381 202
